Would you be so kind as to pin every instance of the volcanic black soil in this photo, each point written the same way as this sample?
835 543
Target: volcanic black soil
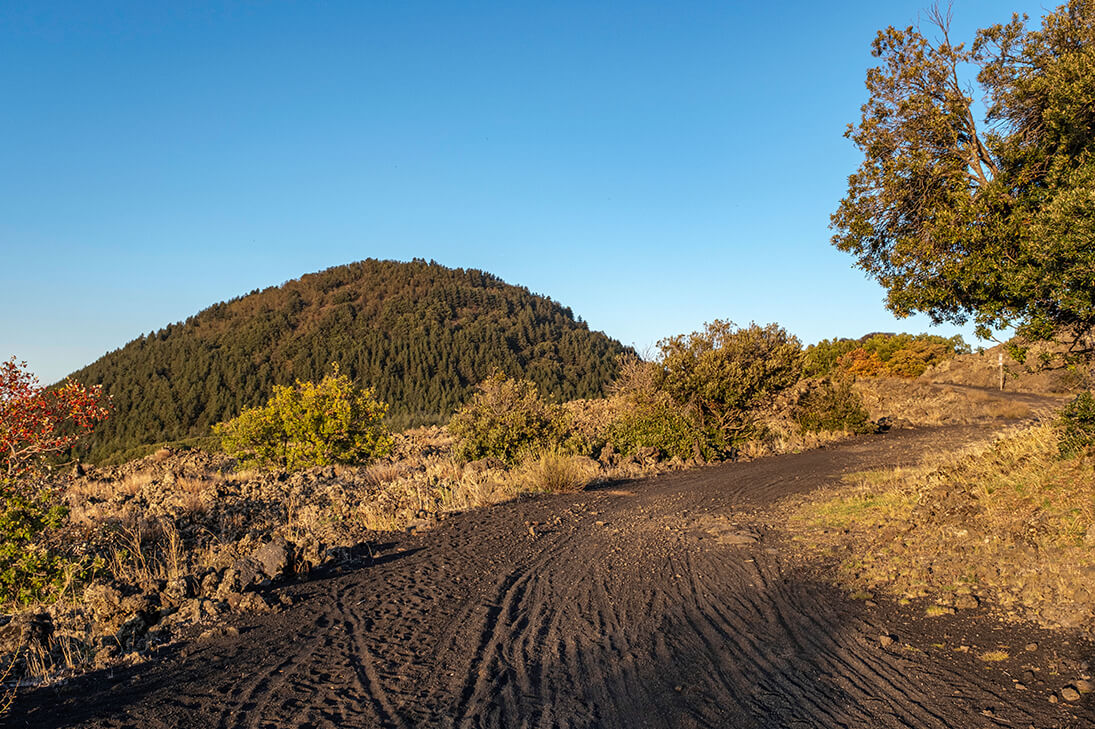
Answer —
669 602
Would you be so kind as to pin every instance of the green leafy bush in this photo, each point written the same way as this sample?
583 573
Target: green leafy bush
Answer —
29 570
587 424
659 422
1077 425
831 406
310 425
724 373
506 419
644 415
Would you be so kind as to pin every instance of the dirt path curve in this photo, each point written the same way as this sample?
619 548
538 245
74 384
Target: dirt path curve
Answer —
660 603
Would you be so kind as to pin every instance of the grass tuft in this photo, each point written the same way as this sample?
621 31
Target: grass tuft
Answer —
994 656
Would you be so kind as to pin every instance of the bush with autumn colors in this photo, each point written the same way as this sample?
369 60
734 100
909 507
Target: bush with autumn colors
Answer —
36 424
876 355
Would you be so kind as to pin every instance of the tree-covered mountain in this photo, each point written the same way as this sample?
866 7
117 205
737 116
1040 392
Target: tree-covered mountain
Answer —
421 334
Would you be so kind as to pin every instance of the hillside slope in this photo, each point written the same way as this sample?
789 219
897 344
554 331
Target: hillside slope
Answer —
418 332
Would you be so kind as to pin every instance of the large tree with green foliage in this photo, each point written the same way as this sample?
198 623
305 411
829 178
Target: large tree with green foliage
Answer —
987 219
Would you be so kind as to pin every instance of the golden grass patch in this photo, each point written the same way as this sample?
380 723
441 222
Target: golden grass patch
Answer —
994 656
1008 520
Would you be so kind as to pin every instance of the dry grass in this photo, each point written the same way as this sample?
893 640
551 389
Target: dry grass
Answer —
381 474
1007 520
144 551
786 437
407 494
995 656
556 473
1008 410
922 403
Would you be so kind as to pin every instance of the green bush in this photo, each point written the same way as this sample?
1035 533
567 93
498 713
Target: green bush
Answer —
506 419
587 424
1077 425
831 406
310 425
725 373
659 422
821 359
29 570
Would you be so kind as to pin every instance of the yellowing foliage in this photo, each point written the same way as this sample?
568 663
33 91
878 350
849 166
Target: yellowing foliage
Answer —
310 425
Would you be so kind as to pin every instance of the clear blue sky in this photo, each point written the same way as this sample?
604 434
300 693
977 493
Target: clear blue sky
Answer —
652 165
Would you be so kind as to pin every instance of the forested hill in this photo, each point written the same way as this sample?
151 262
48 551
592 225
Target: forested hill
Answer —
421 334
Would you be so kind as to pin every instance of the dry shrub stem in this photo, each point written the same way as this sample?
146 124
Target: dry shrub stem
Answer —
7 685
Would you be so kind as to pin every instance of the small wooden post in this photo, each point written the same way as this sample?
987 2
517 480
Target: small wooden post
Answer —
1000 364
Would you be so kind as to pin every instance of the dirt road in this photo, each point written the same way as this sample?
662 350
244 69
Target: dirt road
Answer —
661 603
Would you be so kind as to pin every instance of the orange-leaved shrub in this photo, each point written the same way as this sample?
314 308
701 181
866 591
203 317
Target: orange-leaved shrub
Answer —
874 355
36 424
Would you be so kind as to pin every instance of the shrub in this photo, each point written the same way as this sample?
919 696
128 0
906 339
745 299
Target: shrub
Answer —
658 422
1077 425
310 425
29 570
645 416
831 406
899 355
36 424
860 363
588 424
724 373
821 359
506 419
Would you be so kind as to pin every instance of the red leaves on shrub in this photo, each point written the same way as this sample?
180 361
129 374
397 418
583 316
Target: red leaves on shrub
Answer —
36 422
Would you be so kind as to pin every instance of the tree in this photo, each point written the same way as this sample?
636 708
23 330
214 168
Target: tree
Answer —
310 424
36 422
990 220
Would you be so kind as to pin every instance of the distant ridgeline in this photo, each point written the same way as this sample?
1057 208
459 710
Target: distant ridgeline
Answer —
421 334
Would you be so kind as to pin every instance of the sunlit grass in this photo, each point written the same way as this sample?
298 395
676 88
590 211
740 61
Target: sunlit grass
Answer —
1009 519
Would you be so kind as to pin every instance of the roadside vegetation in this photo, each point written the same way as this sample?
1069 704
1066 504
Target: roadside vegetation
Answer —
988 220
1009 524
98 564
882 355
110 561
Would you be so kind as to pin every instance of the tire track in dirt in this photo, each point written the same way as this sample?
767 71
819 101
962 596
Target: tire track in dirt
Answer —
666 605
324 682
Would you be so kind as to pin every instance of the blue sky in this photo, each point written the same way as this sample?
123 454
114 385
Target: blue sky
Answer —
652 165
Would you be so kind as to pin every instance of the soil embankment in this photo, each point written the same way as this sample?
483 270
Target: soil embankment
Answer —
663 603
